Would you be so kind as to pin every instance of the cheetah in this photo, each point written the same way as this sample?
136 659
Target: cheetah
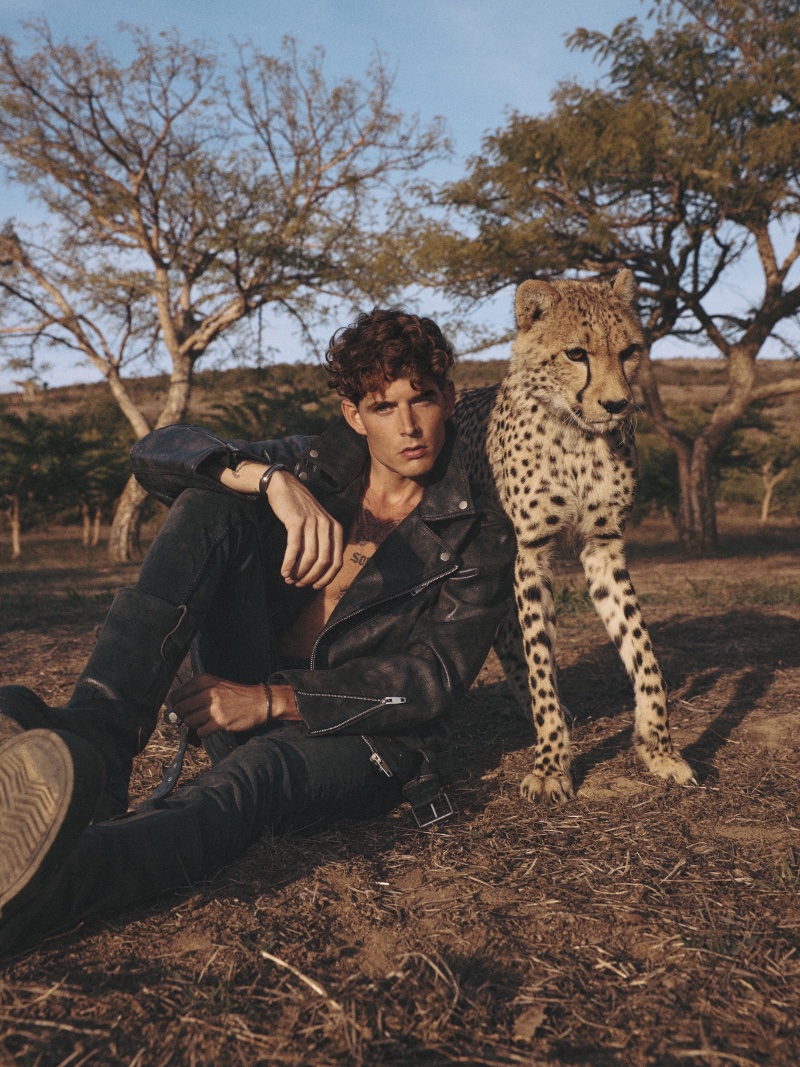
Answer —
554 441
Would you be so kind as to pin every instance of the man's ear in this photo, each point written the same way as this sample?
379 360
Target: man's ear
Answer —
352 417
449 393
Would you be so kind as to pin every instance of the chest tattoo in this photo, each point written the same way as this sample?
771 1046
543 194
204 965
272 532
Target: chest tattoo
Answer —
369 530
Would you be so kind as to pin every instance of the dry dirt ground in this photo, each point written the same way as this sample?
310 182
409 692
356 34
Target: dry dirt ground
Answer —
642 924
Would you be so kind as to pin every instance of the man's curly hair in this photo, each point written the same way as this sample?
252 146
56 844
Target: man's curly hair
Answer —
382 346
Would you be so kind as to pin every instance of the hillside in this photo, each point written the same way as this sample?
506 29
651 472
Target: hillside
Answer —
685 383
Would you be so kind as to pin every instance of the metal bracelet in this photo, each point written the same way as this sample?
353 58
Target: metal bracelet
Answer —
268 690
266 477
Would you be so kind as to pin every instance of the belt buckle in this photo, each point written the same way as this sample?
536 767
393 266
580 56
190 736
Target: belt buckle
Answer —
440 807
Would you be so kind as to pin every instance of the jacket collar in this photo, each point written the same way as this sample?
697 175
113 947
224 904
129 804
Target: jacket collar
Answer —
338 457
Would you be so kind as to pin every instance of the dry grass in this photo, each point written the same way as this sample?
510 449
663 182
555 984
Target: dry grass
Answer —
641 925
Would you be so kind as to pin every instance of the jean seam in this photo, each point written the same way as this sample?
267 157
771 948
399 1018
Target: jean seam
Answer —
226 532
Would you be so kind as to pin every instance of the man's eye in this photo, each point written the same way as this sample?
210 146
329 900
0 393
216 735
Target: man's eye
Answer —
576 354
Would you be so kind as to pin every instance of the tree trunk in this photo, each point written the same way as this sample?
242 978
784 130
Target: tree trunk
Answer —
15 520
683 519
769 481
86 524
98 518
124 542
703 539
697 515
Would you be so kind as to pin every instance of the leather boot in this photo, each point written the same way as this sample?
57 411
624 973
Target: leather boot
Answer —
103 870
117 697
50 785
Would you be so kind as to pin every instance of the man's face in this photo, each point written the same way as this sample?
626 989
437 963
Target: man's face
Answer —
403 424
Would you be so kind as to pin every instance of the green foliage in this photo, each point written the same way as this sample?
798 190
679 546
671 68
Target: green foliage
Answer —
657 488
99 464
760 464
259 415
183 200
51 464
681 161
569 599
672 168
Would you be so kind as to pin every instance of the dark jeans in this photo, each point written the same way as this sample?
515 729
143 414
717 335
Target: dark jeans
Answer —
209 555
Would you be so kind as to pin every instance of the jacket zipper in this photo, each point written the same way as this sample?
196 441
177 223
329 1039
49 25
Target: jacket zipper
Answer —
413 591
376 758
353 718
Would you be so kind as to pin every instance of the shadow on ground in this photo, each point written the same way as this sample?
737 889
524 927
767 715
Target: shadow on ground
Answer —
744 648
737 653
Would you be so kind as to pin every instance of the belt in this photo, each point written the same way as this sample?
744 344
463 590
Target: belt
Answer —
429 802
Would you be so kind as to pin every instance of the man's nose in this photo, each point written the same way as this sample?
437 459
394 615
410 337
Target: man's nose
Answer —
410 426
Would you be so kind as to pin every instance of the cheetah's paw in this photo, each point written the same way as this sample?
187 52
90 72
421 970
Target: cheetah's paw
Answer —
555 787
666 765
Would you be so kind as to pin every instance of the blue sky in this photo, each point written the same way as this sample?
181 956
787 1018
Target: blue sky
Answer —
469 61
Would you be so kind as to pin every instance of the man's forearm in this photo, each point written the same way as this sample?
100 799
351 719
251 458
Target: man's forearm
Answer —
314 540
244 478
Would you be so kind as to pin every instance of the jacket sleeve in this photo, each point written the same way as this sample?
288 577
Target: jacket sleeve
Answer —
169 460
408 690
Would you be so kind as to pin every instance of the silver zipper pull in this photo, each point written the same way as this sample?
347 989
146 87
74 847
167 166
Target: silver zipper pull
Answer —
376 759
393 700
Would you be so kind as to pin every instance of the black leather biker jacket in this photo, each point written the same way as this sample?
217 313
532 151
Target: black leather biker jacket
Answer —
412 631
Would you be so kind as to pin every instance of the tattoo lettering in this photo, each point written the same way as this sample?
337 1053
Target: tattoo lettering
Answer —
359 557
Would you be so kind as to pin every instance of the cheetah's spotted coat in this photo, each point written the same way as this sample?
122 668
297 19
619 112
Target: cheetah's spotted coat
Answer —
555 442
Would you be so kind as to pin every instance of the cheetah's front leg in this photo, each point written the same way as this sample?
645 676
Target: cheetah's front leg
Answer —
615 600
550 778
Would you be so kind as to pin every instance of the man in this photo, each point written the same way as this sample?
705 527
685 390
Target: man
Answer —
337 593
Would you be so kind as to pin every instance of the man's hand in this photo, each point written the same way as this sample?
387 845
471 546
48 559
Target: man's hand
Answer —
207 704
315 541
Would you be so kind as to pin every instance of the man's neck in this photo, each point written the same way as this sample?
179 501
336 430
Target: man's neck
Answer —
390 498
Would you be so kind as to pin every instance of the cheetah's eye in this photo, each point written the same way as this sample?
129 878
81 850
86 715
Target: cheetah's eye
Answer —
630 352
576 354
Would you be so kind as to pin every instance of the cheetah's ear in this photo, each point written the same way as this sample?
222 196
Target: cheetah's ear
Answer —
624 286
532 300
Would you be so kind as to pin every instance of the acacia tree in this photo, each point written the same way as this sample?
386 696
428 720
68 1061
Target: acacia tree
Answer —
777 462
98 466
683 161
181 199
35 469
759 447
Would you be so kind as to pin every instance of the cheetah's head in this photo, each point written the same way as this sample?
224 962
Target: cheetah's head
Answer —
579 345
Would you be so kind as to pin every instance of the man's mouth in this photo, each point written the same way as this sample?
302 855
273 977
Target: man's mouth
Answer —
414 452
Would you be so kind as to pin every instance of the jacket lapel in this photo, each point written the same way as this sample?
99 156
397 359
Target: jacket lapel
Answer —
425 544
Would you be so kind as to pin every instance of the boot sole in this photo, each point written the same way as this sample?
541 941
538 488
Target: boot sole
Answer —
50 784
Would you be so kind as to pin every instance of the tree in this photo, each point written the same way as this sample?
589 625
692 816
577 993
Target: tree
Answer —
32 451
181 201
97 464
759 447
285 412
687 159
779 462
